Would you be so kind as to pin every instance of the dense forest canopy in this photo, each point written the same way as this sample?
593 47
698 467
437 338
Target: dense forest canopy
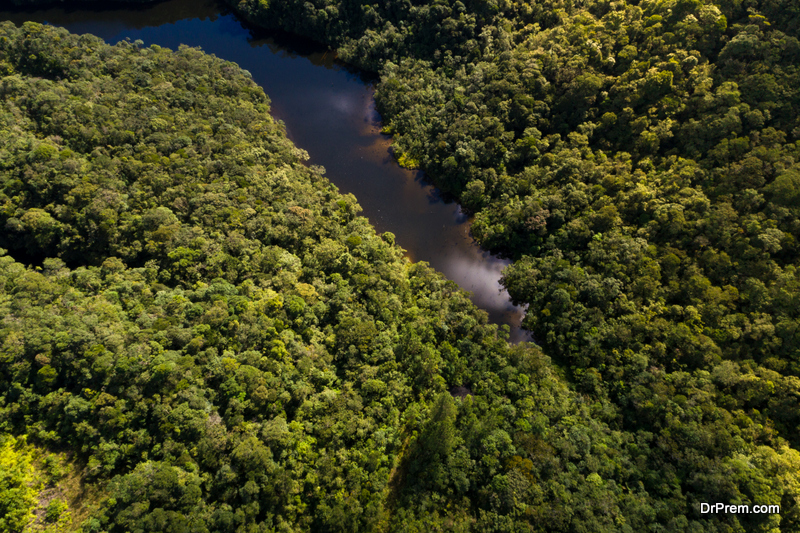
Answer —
226 345
639 161
245 352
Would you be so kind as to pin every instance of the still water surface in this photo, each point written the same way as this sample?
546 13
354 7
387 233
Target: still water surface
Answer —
329 110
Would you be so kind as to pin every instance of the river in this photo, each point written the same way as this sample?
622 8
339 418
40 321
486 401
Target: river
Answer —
329 111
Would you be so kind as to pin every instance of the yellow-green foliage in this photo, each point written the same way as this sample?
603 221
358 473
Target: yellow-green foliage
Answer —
407 160
18 484
35 486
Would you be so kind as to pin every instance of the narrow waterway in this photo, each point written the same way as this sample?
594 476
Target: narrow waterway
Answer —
329 111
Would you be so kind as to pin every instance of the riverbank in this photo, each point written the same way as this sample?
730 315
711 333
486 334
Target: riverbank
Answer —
328 109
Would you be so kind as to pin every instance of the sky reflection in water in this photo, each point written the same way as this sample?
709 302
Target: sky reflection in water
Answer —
329 111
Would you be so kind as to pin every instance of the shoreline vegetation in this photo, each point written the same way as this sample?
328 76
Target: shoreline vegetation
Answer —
213 330
280 366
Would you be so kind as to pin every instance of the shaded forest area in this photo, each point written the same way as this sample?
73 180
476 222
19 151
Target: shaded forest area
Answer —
36 3
637 160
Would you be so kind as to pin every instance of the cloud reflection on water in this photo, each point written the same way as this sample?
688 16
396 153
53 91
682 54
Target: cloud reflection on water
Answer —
329 111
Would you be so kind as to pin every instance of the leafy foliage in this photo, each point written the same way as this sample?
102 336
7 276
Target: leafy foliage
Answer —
639 161
220 337
17 485
244 352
